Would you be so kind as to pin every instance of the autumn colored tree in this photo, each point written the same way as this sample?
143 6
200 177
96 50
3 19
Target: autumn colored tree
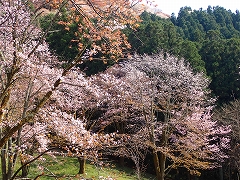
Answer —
99 24
61 43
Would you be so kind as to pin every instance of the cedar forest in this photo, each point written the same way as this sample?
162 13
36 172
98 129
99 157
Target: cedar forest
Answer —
97 79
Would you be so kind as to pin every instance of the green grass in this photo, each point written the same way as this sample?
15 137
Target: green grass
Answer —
67 168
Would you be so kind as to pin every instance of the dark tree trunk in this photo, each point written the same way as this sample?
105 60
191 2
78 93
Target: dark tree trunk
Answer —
221 173
121 161
162 165
3 163
158 171
82 162
25 171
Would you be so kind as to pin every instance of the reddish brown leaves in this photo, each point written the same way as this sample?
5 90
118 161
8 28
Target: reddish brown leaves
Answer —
100 23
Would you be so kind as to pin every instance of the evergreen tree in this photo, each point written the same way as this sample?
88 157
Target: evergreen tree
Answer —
59 38
153 35
222 59
190 52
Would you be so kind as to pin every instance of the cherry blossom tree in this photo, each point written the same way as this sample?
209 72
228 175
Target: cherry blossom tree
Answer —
229 115
31 76
173 112
177 113
19 37
23 61
118 115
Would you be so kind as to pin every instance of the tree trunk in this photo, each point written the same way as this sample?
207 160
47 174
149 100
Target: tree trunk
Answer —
3 160
189 176
162 165
4 163
221 173
10 159
158 171
82 162
25 170
121 161
158 165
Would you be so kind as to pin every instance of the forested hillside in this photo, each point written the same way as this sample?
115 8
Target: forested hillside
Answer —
209 39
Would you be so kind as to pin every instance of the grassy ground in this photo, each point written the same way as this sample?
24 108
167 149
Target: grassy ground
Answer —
67 168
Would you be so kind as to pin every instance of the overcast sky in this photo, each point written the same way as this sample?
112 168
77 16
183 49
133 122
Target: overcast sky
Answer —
169 6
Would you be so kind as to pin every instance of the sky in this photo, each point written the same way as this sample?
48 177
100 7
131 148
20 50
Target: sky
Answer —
170 6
